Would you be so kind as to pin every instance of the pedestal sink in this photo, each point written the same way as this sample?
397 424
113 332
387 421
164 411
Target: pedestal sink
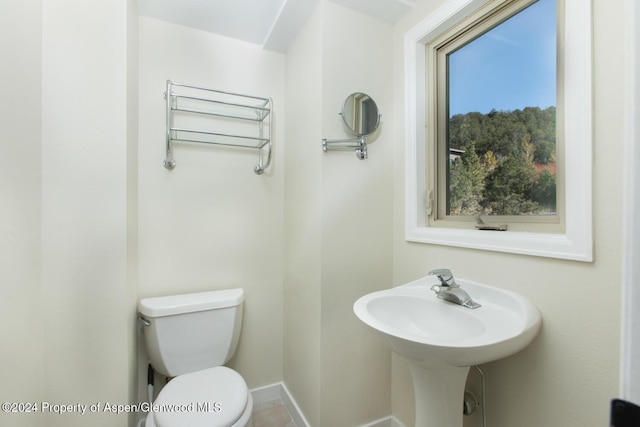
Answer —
441 340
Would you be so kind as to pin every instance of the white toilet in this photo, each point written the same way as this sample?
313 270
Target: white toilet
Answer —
190 337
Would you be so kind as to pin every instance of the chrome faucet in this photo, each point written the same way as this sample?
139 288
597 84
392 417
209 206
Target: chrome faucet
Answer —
449 290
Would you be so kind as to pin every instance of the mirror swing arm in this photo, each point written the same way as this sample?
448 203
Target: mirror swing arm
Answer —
361 118
359 144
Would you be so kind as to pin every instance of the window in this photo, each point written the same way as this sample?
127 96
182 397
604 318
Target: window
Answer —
508 141
493 134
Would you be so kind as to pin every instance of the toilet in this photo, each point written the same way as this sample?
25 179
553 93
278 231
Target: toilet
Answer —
190 337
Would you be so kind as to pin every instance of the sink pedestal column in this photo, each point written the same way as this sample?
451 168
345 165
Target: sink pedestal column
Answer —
439 394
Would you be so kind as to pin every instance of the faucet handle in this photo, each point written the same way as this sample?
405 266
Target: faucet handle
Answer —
445 276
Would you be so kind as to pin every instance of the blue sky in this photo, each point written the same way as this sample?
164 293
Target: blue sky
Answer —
510 67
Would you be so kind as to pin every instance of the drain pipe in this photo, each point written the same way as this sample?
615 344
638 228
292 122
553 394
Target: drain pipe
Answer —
143 421
150 383
142 323
470 402
484 398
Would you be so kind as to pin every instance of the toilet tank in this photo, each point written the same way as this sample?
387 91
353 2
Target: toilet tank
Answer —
190 332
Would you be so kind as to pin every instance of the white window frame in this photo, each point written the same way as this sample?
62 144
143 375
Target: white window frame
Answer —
576 242
630 354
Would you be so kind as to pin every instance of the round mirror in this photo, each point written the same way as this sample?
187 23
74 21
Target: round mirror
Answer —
360 114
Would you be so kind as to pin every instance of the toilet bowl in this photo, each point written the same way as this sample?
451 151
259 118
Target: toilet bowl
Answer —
211 397
190 337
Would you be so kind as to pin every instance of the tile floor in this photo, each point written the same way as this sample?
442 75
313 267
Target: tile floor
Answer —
272 414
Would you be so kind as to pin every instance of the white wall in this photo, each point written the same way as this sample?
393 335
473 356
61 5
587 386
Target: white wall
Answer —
132 198
67 289
356 219
87 295
570 372
84 224
211 223
338 219
21 327
303 208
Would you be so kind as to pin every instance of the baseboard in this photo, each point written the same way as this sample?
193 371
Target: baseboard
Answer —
389 421
267 393
280 391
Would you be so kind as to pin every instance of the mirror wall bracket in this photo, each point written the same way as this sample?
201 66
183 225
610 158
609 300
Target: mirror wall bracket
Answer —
357 144
361 118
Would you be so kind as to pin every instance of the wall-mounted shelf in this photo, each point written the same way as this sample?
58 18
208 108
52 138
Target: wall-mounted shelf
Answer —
205 113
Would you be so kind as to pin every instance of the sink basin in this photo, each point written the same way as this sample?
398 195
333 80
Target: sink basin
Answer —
418 325
441 340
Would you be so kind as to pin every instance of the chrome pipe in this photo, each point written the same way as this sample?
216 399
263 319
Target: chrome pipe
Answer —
348 144
169 163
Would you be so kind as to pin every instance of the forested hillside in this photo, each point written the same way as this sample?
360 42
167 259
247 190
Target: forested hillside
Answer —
507 165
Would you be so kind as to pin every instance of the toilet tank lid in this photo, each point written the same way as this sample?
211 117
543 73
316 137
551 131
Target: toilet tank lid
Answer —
188 303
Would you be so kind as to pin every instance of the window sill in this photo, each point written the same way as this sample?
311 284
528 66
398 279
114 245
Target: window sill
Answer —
563 246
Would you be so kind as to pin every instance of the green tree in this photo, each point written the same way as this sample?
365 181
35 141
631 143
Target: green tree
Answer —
466 182
507 187
502 152
543 191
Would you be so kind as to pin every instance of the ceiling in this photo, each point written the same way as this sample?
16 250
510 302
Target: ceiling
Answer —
273 24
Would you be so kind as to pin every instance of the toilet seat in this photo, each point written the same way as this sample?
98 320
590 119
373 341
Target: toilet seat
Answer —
213 397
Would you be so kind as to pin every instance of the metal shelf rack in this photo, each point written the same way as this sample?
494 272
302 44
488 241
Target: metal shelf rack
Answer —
195 107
